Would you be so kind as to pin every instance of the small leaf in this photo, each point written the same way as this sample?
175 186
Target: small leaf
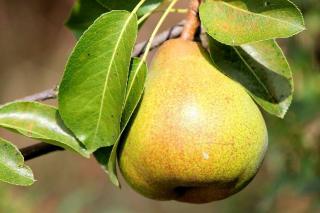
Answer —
102 156
108 157
147 7
83 13
39 121
93 89
134 93
261 68
246 21
135 87
12 168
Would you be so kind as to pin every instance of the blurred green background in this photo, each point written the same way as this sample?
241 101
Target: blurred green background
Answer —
34 49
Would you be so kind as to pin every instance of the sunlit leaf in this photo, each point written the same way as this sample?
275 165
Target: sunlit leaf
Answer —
12 168
135 89
39 121
108 157
93 89
246 21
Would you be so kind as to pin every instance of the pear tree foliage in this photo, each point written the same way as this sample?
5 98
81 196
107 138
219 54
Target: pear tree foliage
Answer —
103 84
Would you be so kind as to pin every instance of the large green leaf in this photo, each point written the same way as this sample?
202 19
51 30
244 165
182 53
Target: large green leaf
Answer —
93 88
108 157
246 21
12 168
147 7
261 68
83 13
39 121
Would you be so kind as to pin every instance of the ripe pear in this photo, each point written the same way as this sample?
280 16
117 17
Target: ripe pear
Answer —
197 135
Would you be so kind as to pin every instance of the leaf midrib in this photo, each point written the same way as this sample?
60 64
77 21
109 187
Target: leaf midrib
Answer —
262 15
108 73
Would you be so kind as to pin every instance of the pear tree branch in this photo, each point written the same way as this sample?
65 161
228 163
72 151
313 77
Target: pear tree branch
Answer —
41 96
173 32
38 149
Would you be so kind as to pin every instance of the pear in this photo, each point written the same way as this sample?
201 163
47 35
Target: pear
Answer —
197 135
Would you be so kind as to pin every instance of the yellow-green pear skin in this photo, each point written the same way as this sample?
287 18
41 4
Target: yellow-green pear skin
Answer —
197 135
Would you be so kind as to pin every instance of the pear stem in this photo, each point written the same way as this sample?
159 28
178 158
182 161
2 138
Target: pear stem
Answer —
192 21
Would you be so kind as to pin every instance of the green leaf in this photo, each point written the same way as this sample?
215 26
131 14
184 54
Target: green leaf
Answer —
241 22
134 93
108 157
12 168
135 87
147 7
93 88
102 156
261 68
39 121
83 13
